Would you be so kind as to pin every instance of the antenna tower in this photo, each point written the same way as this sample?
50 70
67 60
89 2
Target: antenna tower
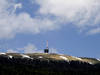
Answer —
47 48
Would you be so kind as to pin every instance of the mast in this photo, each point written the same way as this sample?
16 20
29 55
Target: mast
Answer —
47 48
47 45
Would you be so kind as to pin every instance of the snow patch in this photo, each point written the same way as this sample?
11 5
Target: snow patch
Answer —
10 56
76 58
2 53
32 58
98 59
64 58
40 57
90 63
25 56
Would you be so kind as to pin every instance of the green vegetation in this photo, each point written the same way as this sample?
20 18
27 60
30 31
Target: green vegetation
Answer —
47 64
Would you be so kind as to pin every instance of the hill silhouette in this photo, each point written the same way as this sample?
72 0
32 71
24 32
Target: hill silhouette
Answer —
47 64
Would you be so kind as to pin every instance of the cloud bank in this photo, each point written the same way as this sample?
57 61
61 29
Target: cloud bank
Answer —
30 48
83 14
52 14
12 23
11 51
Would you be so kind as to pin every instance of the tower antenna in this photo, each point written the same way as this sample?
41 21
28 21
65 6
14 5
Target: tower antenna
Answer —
47 45
47 48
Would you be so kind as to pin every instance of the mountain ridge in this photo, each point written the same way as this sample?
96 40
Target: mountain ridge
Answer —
47 64
52 56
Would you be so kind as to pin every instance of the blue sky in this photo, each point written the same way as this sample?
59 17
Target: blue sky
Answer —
71 27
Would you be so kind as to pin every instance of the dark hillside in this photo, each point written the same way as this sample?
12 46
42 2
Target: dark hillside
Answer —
47 64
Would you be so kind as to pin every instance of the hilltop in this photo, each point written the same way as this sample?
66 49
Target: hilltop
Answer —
47 64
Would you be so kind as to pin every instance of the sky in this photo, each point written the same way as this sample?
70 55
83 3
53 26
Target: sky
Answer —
72 27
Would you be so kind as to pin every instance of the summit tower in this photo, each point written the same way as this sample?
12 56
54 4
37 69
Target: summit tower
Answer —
47 48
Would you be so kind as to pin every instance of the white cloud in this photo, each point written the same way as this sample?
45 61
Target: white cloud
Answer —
12 23
81 13
31 48
19 5
94 31
53 50
11 51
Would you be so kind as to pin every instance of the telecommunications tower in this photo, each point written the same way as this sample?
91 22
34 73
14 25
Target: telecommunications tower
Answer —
47 48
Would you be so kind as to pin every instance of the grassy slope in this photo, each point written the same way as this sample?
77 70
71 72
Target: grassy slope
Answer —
47 64
55 57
